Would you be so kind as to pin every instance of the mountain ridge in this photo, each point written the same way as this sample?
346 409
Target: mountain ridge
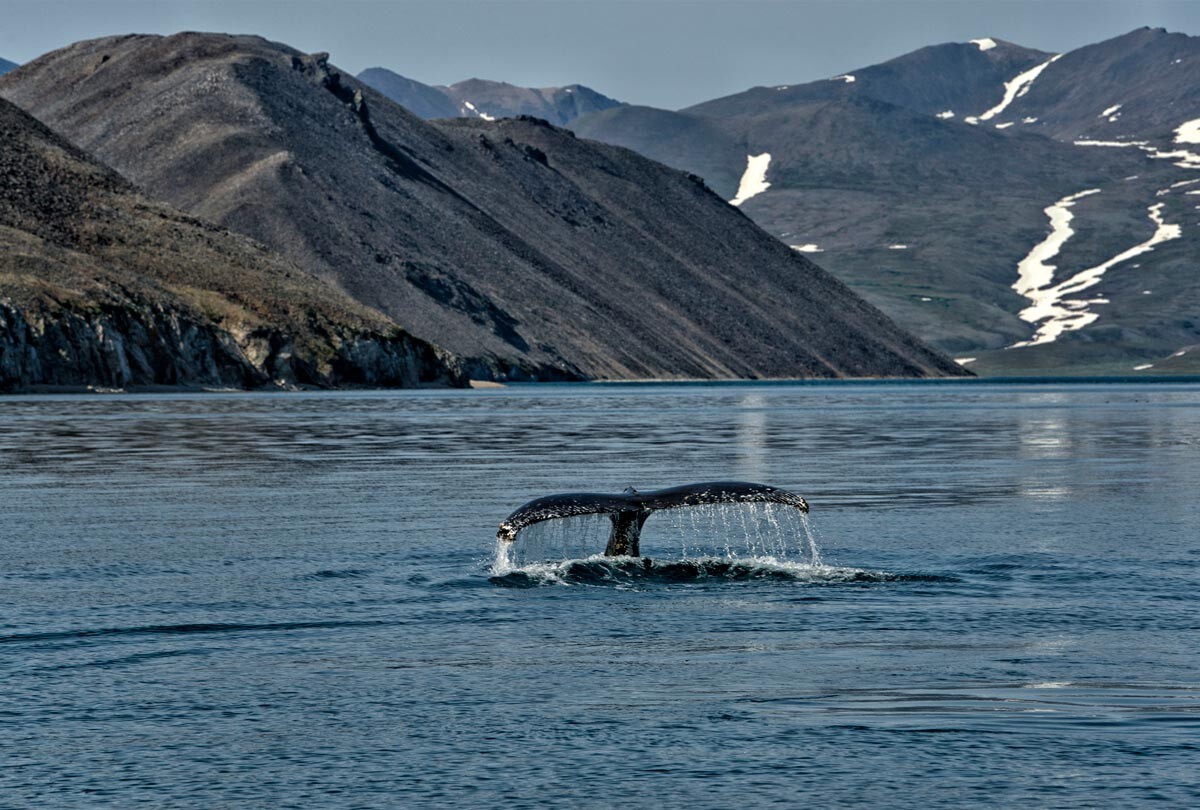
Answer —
481 98
527 252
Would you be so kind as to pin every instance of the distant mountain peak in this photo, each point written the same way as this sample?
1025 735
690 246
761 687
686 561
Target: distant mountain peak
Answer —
488 99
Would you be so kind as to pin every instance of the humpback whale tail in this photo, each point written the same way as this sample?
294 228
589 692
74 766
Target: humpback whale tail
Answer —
629 510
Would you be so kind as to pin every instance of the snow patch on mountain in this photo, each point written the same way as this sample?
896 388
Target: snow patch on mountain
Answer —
1188 132
754 179
1182 157
1109 111
1018 86
1113 144
946 114
984 43
845 77
1032 272
1056 313
809 248
469 106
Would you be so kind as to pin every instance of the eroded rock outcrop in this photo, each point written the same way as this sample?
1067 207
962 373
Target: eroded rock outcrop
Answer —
102 287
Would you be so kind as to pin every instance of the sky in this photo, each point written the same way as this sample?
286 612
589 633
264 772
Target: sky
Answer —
664 53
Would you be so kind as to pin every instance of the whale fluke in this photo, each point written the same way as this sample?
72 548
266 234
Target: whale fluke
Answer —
629 510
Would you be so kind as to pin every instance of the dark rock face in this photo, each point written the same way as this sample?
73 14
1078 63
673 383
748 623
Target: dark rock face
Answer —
925 188
138 345
477 98
101 287
527 252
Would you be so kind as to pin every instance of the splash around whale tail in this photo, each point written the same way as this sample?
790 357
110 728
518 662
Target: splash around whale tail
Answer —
629 510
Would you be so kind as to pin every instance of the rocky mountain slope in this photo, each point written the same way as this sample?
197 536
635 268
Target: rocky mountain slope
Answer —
1141 85
478 98
101 286
989 197
529 252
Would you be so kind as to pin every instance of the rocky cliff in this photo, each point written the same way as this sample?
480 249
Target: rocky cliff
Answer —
100 286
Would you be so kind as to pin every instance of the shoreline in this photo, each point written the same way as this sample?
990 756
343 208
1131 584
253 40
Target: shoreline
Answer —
487 385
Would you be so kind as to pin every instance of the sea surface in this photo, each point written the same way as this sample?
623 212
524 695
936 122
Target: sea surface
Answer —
295 600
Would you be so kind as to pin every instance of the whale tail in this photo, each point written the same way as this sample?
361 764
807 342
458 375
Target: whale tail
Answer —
625 538
629 510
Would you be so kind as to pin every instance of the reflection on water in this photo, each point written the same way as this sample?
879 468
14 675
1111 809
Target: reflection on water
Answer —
288 600
751 439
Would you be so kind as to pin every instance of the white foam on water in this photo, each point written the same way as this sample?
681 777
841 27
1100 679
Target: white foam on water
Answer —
1048 685
629 571
1005 125
984 43
1057 313
809 248
754 178
1017 87
1030 119
945 114
897 247
752 535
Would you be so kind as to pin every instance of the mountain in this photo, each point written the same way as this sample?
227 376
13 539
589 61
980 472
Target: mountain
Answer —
955 78
1141 85
965 190
6 66
420 99
526 251
101 286
477 98
558 105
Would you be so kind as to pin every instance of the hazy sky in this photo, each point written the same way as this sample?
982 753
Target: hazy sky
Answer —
667 53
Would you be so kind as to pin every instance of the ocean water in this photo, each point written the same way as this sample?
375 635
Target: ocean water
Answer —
295 600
